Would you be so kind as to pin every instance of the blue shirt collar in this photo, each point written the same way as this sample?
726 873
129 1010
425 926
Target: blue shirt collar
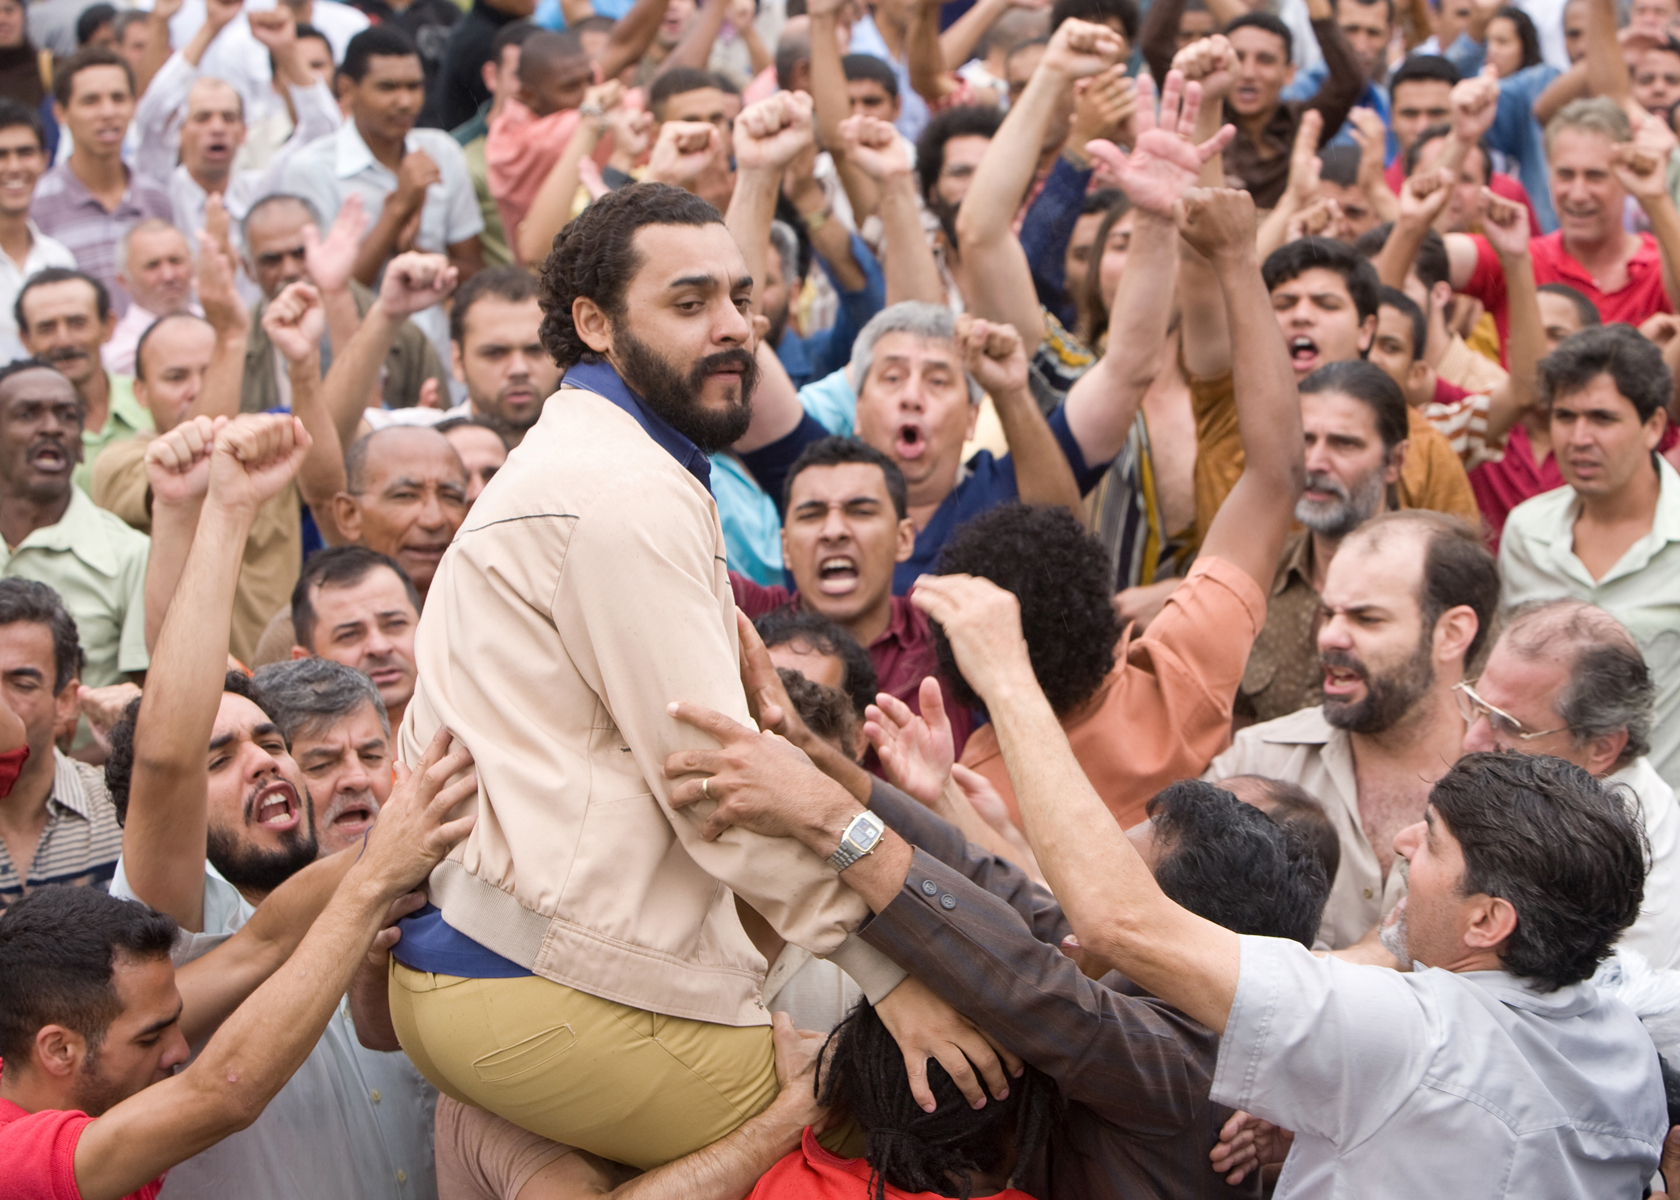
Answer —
603 380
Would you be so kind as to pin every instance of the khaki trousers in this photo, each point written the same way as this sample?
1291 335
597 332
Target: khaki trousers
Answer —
628 1085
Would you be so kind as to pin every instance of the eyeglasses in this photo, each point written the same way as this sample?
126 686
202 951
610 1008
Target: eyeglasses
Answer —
1504 725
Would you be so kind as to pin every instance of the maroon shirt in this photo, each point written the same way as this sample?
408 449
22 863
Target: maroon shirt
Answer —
903 655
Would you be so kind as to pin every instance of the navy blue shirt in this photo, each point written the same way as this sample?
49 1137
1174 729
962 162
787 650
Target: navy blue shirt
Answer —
429 943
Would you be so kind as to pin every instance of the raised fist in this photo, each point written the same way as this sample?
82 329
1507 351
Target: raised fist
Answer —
770 134
294 321
178 462
416 281
876 148
255 456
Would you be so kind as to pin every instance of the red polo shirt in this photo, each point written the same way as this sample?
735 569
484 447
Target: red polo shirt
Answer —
1641 297
38 1155
1503 186
903 655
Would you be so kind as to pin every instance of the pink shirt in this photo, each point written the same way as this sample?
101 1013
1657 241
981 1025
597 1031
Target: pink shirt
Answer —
38 1155
522 148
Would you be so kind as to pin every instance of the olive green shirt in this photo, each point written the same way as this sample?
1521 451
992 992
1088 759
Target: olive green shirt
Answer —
124 418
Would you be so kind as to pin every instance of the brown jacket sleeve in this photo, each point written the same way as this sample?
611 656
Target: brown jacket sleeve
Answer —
1343 84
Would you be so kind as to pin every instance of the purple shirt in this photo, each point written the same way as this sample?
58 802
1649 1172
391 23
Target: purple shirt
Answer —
65 209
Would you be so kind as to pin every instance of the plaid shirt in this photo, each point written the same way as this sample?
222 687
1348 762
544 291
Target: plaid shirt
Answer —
79 846
1134 1071
65 209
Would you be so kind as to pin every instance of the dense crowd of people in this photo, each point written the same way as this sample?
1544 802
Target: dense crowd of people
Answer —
685 598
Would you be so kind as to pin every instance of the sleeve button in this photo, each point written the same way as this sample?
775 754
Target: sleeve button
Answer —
947 901
929 888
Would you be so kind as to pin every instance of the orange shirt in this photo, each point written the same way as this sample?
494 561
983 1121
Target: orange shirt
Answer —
1165 709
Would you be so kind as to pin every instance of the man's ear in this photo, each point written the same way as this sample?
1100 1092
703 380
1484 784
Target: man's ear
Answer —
1417 378
1441 298
906 541
58 1051
347 514
1455 629
1396 463
67 705
1367 333
1655 427
593 325
488 73
299 652
1604 750
1493 919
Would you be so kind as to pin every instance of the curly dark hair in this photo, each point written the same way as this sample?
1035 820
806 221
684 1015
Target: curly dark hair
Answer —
1060 573
916 1151
825 637
1562 847
596 256
119 767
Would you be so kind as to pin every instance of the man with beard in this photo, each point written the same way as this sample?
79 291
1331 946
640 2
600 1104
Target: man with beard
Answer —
334 721
63 318
57 536
587 592
1407 603
216 815
1354 417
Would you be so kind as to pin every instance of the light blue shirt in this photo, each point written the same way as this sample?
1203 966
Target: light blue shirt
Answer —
912 109
1474 1085
1515 133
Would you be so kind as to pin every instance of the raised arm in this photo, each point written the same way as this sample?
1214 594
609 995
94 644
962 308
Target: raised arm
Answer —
265 1041
995 356
1250 526
873 147
768 136
1206 341
1642 166
224 378
631 36
1104 402
158 46
293 321
1607 69
415 174
1505 225
930 73
177 474
164 836
833 104
552 206
992 268
1345 79
1422 199
696 44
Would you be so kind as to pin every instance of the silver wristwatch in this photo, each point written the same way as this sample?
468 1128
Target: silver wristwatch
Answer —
861 838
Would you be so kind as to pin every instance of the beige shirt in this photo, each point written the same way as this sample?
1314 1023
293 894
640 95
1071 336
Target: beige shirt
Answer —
1473 372
588 590
1305 749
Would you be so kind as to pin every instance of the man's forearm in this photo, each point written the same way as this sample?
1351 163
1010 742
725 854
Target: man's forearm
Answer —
321 477
631 36
348 384
832 104
173 527
751 210
1526 345
727 1169
224 378
1665 227
1394 263
1042 473
907 259
381 241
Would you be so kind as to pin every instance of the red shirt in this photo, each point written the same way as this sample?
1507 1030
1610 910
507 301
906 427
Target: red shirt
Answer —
812 1173
38 1155
1448 393
903 655
1642 296
1503 186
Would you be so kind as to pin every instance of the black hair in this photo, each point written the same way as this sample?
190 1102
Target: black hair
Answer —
119 765
1437 132
867 66
833 451
1632 361
1339 165
1232 864
675 82
338 566
792 48
12 114
58 951
1457 569
91 18
1560 846
64 75
725 84
1526 33
24 601
1061 575
1294 259
861 1069
1292 807
1585 310
1371 386
595 255
1100 12
1424 67
46 275
451 424
542 51
376 41
1433 265
824 636
513 284
1096 303
146 336
306 31
1260 19
966 120
514 33
1392 297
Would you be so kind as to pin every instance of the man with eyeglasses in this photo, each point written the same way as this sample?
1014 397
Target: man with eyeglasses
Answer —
1407 603
1567 679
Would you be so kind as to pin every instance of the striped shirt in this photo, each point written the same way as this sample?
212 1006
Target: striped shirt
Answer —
79 846
1464 423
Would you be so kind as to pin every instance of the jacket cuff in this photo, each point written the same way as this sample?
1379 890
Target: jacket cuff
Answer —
871 970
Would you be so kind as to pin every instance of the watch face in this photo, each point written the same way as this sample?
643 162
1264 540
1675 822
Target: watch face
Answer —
866 833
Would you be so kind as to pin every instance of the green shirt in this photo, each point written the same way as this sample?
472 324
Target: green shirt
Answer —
97 564
124 418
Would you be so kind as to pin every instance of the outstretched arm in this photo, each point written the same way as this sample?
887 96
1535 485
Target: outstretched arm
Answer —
1642 167
1506 227
996 358
267 1038
1206 343
294 321
834 105
872 146
1250 526
250 461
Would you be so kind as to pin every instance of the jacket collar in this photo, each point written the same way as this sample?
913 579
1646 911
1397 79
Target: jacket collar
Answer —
602 379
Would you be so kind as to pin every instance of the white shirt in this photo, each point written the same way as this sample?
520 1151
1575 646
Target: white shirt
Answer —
1537 562
1437 1084
352 1122
1656 934
44 252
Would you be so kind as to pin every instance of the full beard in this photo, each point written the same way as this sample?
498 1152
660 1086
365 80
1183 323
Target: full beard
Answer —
1351 509
252 869
676 397
1388 698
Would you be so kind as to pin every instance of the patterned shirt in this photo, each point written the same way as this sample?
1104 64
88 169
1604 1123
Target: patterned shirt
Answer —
79 846
65 209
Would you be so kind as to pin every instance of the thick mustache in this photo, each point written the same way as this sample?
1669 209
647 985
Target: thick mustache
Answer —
1343 660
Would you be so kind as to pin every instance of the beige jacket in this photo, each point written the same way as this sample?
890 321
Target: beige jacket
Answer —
1305 749
588 590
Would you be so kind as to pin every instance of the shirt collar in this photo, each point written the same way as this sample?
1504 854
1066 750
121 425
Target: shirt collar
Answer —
123 406
604 381
68 792
1297 563
79 531
352 154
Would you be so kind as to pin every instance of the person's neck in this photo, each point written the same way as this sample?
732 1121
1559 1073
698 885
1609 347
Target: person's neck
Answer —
34 1091
214 182
22 515
24 809
389 151
395 716
102 176
1324 549
96 398
1537 423
1599 255
1254 124
872 622
1634 504
925 499
15 238
1429 736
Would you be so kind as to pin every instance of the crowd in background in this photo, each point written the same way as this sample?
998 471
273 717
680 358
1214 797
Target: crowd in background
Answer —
794 598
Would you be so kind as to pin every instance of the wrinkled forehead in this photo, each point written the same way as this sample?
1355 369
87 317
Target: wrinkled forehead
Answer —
915 351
